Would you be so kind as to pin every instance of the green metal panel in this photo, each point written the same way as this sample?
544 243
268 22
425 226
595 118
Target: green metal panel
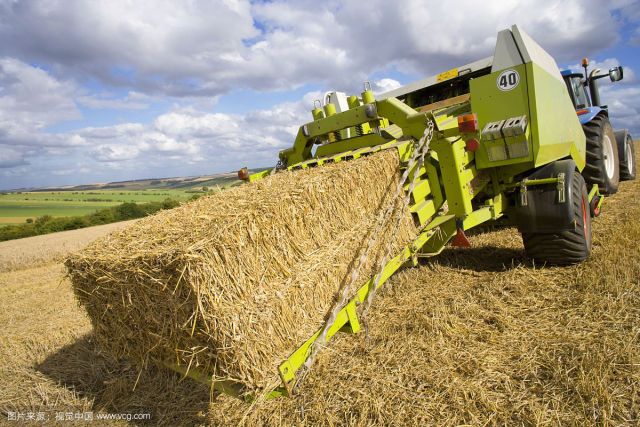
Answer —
412 122
349 144
456 175
424 210
557 130
421 190
554 131
338 121
300 151
259 175
492 104
228 387
434 181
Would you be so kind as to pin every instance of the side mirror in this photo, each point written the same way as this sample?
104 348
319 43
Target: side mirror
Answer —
616 74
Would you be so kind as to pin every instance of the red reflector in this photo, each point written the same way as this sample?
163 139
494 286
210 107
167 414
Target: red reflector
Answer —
243 174
460 240
581 112
594 205
468 123
472 145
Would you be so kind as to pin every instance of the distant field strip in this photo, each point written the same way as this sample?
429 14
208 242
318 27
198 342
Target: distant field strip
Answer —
16 208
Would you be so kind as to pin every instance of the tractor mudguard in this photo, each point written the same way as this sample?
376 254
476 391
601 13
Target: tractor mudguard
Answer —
591 113
547 208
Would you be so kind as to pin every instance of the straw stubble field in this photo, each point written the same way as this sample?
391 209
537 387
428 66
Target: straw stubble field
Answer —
474 336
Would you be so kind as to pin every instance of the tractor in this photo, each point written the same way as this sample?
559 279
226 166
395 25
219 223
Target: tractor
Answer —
610 154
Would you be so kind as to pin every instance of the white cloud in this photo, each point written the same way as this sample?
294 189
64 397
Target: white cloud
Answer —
133 101
75 170
604 66
189 138
162 66
204 48
385 85
31 98
158 46
195 124
624 105
115 152
111 132
10 157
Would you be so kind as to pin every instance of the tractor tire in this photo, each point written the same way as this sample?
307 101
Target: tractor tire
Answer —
602 166
628 164
569 246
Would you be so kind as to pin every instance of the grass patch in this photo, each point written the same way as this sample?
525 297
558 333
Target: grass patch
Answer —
46 224
17 207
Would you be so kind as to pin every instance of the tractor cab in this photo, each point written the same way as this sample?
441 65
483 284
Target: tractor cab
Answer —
584 92
577 90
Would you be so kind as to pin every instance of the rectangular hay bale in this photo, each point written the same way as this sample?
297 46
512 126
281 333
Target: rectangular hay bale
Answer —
234 282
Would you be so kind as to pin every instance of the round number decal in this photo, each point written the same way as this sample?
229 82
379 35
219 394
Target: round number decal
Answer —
508 80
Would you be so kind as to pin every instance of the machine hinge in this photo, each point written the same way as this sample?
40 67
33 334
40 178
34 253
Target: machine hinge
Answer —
561 191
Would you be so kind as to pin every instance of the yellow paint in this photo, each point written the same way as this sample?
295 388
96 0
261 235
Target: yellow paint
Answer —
447 75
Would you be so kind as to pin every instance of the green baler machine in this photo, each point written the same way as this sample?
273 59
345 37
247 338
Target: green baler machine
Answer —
498 138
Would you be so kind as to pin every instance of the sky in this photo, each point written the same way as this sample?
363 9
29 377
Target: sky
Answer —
117 90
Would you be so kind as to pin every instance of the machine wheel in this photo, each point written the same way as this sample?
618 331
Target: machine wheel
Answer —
569 246
602 166
628 165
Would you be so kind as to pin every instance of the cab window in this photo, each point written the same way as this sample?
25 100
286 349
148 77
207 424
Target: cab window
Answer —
578 92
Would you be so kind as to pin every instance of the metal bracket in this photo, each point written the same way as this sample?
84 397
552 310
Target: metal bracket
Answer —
353 325
562 197
523 192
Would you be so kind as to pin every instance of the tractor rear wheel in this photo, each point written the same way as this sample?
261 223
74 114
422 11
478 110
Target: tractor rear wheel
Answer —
569 246
602 166
628 164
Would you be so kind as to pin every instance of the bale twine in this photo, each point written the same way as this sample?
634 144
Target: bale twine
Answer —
232 283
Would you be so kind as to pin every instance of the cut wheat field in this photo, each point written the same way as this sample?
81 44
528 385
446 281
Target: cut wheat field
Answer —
40 250
477 336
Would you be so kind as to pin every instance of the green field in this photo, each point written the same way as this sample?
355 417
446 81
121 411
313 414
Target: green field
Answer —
16 208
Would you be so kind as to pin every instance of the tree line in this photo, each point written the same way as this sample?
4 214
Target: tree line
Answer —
48 224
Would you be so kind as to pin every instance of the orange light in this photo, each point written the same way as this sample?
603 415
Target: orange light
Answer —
472 145
243 174
581 112
468 123
585 62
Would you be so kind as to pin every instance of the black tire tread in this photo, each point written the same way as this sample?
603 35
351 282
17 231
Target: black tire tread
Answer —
625 173
564 247
594 172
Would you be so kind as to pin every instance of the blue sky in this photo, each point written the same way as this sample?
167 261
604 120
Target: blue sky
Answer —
107 91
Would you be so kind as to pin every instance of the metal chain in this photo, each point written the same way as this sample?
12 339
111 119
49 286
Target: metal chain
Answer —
420 150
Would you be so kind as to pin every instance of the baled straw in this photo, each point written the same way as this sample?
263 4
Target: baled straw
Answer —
234 282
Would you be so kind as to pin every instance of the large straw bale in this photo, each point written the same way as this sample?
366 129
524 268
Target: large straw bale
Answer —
232 283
